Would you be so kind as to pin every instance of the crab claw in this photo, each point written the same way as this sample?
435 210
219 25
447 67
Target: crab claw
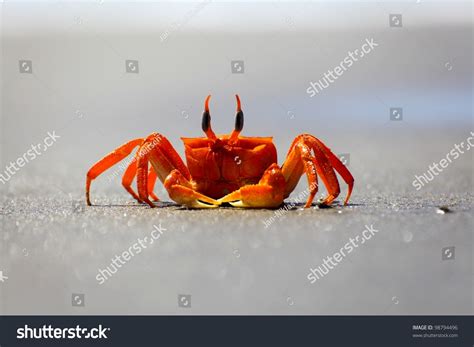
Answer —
268 193
181 191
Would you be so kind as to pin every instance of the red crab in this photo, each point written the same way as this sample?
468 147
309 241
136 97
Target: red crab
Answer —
241 171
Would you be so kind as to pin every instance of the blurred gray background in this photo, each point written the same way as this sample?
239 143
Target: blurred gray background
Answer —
51 247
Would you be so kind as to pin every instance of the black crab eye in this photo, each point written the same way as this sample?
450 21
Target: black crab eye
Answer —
239 116
239 121
206 121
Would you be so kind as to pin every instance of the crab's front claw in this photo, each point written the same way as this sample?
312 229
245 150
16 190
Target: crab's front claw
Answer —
182 192
254 196
190 198
268 193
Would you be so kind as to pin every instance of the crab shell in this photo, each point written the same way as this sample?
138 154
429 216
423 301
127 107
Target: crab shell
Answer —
219 168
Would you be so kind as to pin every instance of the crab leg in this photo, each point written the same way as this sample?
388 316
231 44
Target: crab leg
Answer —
322 167
269 192
337 164
300 160
151 184
128 177
107 162
170 169
130 174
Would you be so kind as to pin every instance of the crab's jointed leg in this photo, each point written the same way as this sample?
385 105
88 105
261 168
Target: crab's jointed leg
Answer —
151 184
171 171
341 169
130 174
324 163
298 161
128 177
108 161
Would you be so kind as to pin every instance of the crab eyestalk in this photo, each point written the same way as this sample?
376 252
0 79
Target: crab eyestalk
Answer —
239 122
206 121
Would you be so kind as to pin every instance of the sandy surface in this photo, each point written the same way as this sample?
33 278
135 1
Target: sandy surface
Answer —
231 263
